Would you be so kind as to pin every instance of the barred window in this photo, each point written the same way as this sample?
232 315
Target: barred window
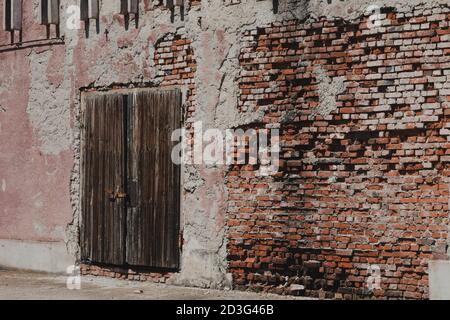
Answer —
89 9
129 7
49 12
172 3
12 15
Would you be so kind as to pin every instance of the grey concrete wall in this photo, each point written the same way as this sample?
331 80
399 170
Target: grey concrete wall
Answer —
439 280
36 256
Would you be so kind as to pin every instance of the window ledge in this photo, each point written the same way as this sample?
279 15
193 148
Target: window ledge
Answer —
31 44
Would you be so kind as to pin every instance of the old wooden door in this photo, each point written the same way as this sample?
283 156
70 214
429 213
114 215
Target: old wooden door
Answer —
104 164
131 205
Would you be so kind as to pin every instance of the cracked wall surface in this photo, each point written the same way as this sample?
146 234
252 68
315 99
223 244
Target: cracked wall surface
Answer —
364 174
200 53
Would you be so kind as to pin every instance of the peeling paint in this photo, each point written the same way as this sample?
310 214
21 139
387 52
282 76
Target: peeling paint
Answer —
48 108
117 57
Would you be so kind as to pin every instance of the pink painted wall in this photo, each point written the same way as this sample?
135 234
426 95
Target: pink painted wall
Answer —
34 185
36 156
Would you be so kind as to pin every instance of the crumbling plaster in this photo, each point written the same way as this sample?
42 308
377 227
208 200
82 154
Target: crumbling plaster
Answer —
121 57
214 29
352 9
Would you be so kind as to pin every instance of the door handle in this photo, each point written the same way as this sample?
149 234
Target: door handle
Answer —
115 195
120 195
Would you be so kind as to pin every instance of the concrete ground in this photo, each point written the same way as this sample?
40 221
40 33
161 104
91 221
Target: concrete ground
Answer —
22 285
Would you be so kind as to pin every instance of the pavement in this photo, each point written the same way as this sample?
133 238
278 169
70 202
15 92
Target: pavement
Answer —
23 285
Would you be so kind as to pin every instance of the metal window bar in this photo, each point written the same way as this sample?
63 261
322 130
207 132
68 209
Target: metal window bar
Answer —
129 7
171 4
50 15
49 12
12 15
12 18
89 9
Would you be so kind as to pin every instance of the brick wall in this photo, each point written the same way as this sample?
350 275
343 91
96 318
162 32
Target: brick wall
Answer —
124 273
176 66
363 115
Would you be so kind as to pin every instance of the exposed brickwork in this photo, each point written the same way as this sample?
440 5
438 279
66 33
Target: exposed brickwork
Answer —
175 64
126 274
195 2
364 175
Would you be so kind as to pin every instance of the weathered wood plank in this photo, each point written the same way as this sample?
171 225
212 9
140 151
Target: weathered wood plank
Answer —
103 175
153 227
